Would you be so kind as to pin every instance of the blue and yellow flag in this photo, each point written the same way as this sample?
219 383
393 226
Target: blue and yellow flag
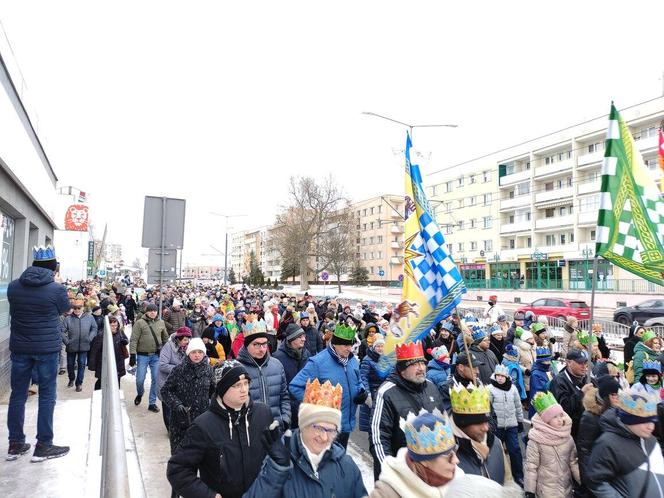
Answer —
432 284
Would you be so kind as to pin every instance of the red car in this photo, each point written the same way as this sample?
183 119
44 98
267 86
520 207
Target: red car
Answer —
560 308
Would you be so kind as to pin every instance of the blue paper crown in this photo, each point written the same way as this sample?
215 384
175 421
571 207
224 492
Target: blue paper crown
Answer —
478 333
642 405
652 365
41 253
511 351
543 354
428 435
501 370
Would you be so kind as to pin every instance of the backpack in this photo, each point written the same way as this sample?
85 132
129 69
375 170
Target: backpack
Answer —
629 372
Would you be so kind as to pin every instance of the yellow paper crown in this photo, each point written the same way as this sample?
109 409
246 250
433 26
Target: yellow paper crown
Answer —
471 400
324 394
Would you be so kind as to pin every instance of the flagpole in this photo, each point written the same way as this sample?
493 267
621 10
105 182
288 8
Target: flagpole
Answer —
592 314
465 347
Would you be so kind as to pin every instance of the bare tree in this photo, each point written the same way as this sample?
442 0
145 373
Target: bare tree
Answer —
304 220
337 246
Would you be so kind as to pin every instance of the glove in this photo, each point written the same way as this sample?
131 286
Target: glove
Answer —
519 427
369 401
132 360
530 495
274 447
361 397
526 372
552 340
182 415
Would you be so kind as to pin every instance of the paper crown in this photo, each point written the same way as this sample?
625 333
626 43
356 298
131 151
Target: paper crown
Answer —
473 400
41 253
409 351
648 335
541 401
260 326
597 327
324 394
543 354
501 370
537 327
518 332
639 404
478 333
585 338
343 331
495 329
651 365
427 434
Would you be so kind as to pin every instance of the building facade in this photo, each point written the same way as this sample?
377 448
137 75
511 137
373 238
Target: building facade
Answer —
526 216
203 272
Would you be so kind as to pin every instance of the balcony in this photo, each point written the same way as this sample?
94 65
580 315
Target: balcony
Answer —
555 194
396 260
557 248
588 218
515 178
647 143
519 226
554 222
588 187
396 245
551 169
515 202
395 215
592 158
396 229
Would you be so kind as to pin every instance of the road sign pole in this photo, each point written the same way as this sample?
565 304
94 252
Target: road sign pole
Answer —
161 255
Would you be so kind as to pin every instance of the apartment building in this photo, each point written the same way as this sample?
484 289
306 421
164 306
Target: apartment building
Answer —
236 256
203 272
526 216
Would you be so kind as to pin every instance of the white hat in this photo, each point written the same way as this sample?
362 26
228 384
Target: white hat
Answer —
176 302
195 344
526 335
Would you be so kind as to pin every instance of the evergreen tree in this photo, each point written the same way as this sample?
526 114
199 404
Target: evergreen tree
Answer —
359 275
231 276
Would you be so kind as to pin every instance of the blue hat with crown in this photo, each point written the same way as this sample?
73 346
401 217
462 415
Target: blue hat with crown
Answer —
511 353
651 367
478 333
637 407
543 354
428 435
41 253
501 370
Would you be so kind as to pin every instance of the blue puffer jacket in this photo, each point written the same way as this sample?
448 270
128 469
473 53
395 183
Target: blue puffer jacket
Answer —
540 378
372 378
268 384
437 373
338 475
36 302
325 366
516 374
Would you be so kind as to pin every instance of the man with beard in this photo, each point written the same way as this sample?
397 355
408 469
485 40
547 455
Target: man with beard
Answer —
406 390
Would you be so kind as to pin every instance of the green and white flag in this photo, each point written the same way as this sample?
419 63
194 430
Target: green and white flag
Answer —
630 223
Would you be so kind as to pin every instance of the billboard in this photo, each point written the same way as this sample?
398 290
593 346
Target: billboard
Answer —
76 218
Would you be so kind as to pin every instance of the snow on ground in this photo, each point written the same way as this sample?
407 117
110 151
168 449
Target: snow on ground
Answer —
364 464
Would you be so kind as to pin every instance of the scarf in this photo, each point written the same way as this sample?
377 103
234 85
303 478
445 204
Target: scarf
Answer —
220 332
343 361
427 475
371 339
296 353
545 434
505 386
481 448
275 318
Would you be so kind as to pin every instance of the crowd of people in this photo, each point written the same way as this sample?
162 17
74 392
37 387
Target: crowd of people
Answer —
260 392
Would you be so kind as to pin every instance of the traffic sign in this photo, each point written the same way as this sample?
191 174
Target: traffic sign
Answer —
401 278
101 273
324 276
381 273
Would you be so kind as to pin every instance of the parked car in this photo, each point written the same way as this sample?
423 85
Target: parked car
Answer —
658 321
652 308
559 308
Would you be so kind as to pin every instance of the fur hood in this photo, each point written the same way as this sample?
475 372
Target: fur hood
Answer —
591 403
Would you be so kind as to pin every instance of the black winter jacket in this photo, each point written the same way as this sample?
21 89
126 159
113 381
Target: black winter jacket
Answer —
189 384
314 340
489 362
36 302
567 390
292 365
395 398
95 356
492 468
589 429
620 461
225 448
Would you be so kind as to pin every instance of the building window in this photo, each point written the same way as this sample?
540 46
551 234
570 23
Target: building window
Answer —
473 246
460 181
365 212
472 179
529 242
448 187
371 269
486 176
471 200
592 235
448 229
380 239
358 213
372 225
380 208
472 223
460 225
488 245
370 210
6 252
549 160
571 237
364 226
549 213
523 188
511 243
596 147
487 222
487 199
364 255
550 240
449 248
379 255
370 240
563 239
433 190
460 246
448 207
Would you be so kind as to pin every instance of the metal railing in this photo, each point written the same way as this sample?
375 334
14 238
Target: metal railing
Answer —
623 286
114 479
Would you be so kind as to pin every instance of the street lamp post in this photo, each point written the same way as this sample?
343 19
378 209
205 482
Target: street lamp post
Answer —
409 126
227 216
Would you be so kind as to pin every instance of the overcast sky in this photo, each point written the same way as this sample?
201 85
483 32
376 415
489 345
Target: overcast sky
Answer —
220 102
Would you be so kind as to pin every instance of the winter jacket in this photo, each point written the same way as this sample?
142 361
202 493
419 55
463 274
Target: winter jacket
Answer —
489 362
397 480
506 406
526 359
225 448
492 468
171 356
268 384
630 344
567 390
314 340
222 336
95 355
570 336
394 400
516 374
36 302
551 465
326 366
372 377
292 364
337 475
540 378
189 384
215 353
497 347
589 428
641 353
175 320
197 323
147 336
622 464
437 373
80 332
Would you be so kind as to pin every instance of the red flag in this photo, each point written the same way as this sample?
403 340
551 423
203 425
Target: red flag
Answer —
661 159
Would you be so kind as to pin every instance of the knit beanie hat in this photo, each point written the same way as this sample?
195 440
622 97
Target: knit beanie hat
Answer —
183 332
228 374
208 333
526 335
378 341
321 403
440 354
151 307
511 353
217 318
196 344
606 385
293 331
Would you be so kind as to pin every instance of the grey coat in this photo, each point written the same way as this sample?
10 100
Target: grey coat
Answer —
506 406
170 357
268 384
79 331
489 362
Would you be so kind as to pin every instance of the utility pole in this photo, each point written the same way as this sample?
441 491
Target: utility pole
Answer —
227 216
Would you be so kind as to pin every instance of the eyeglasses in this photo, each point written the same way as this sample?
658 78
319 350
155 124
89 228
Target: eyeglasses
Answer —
451 455
322 431
260 345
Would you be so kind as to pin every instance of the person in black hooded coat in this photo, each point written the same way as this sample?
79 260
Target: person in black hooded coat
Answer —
634 337
293 355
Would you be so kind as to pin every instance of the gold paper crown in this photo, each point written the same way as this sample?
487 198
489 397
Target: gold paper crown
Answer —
252 317
324 394
473 400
